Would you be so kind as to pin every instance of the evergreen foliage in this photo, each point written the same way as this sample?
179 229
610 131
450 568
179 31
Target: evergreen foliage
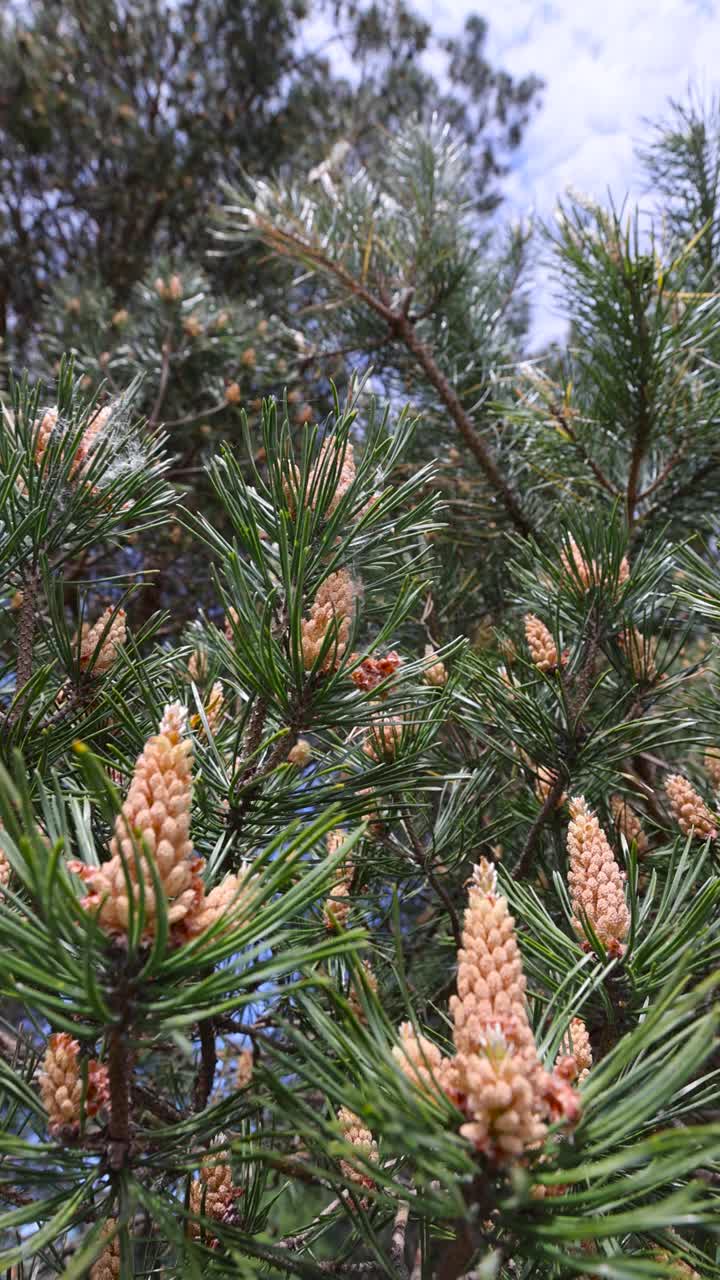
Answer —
373 927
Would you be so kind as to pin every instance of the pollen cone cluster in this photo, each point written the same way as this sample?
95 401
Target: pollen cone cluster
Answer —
337 906
5 868
372 671
628 824
152 843
436 674
588 573
232 620
355 1132
213 1195
541 645
154 823
679 1269
300 754
214 707
420 1059
496 1076
358 985
327 458
596 882
347 470
46 425
545 781
107 1266
109 633
711 761
61 1084
689 809
577 1046
635 647
244 1069
43 431
224 902
198 665
97 424
330 616
383 739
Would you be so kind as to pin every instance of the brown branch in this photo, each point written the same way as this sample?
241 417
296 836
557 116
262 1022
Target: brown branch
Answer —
643 426
13 1196
294 1242
289 244
164 376
397 1240
208 1063
253 737
119 1079
157 1106
458 1255
474 441
423 862
663 475
549 805
682 490
193 417
564 422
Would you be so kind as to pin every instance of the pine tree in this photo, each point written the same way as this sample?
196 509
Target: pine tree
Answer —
133 131
333 941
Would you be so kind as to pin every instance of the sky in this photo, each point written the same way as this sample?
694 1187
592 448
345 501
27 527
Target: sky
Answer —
609 65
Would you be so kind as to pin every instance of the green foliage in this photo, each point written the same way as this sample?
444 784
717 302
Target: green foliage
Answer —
293 1029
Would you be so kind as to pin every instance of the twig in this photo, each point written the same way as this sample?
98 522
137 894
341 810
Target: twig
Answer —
119 1128
13 1196
193 417
295 1169
682 490
663 475
423 862
397 1240
208 1063
549 805
159 1107
164 375
643 426
253 737
294 1242
407 332
564 422
287 243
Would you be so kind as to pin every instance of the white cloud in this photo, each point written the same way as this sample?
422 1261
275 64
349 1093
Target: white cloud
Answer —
608 67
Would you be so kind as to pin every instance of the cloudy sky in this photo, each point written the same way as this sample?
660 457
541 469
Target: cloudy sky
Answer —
608 65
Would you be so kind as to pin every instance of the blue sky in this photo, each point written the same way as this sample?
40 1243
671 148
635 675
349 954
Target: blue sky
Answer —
608 65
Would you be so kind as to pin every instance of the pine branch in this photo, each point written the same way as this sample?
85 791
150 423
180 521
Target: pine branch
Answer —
119 1079
397 1240
404 327
164 377
564 422
423 862
549 806
644 423
208 1064
287 243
